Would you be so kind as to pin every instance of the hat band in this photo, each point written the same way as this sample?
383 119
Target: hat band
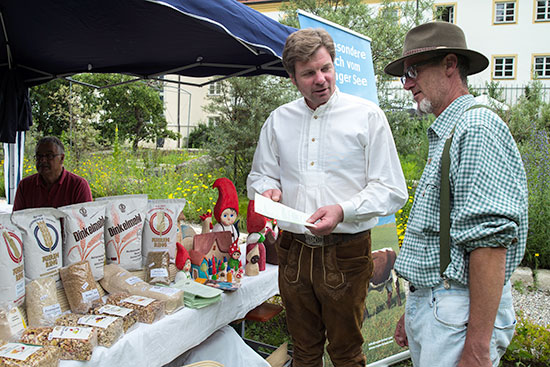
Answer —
418 50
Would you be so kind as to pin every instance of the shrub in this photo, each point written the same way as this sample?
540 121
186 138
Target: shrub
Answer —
535 152
529 347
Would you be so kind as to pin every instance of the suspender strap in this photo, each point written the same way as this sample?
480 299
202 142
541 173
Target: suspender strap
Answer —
445 208
445 203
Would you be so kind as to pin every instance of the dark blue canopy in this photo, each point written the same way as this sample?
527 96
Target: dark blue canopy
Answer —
51 38
46 39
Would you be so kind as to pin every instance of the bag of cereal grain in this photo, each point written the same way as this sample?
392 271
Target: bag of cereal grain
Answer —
41 232
161 226
84 235
12 272
124 218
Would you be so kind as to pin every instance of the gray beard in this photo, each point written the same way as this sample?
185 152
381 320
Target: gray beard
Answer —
425 107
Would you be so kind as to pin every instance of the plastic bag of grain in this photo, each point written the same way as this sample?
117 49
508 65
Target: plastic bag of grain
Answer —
41 232
74 342
80 287
160 232
12 322
118 280
12 268
156 267
109 328
24 355
124 218
148 310
84 235
42 304
128 315
172 297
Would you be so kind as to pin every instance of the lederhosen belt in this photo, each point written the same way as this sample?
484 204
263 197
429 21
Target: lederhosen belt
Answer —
328 240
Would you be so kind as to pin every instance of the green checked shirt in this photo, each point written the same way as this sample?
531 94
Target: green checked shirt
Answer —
489 196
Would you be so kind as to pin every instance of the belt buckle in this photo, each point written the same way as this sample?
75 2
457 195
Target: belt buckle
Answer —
313 240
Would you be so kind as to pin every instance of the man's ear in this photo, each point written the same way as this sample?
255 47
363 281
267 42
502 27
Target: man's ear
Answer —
451 63
62 158
293 79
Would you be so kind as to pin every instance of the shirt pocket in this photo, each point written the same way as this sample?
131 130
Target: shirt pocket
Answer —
425 216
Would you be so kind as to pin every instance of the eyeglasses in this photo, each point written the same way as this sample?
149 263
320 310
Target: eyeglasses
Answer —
48 156
412 71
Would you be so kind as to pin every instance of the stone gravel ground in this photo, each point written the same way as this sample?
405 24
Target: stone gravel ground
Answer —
530 300
533 304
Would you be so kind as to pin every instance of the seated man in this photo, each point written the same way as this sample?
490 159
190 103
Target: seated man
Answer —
53 185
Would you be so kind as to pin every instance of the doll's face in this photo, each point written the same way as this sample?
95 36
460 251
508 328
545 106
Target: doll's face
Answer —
187 265
228 217
236 255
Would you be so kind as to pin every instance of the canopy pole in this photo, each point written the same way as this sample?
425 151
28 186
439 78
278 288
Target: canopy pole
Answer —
8 50
13 165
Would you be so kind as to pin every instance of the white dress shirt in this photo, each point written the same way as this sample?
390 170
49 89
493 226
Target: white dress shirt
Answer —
341 153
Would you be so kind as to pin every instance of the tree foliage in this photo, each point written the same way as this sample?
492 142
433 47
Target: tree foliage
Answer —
58 109
242 108
85 116
530 113
200 135
135 108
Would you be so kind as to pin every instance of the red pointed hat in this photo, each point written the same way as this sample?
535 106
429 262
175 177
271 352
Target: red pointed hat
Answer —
181 256
227 197
234 247
254 222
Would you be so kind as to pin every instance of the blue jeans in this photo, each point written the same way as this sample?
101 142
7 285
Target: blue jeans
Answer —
436 322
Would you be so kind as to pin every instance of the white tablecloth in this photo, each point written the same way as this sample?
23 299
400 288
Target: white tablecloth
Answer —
157 344
224 346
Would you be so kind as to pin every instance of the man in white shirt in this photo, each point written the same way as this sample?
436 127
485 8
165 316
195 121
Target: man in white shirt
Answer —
333 155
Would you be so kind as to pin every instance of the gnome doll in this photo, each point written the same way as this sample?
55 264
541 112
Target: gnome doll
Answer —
183 263
227 208
234 265
255 249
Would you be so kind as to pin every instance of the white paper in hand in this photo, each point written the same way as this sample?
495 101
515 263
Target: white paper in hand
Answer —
272 209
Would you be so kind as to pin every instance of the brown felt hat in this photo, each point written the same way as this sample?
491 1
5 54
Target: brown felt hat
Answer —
437 38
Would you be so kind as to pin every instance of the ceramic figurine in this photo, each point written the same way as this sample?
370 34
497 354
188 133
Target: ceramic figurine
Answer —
227 208
208 250
183 263
234 265
256 226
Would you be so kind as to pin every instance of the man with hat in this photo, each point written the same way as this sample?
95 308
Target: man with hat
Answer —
459 309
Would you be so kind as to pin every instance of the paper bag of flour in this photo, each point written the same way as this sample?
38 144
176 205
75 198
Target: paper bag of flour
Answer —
84 235
41 232
161 226
12 272
124 218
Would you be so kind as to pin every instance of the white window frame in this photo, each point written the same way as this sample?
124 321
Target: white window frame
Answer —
508 6
215 89
544 66
541 7
451 7
394 9
504 67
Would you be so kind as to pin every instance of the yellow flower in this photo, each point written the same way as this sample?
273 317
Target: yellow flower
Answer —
537 254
